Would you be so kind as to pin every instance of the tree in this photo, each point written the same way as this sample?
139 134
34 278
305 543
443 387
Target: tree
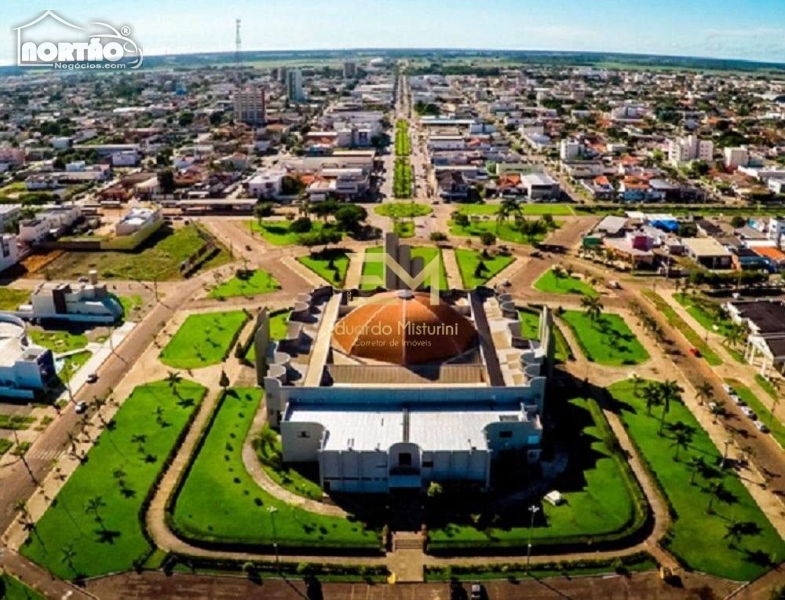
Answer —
734 530
185 119
704 392
350 216
717 409
301 225
67 556
696 465
716 490
460 219
173 379
592 308
738 221
435 490
652 396
508 207
291 186
94 506
670 392
264 209
734 335
682 438
487 238
166 181
637 382
224 381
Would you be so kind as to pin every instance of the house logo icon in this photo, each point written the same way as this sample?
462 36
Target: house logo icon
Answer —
51 41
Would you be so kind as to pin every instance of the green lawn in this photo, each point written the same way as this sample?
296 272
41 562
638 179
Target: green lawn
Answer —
277 232
5 445
696 537
597 486
16 422
130 304
505 232
767 386
559 210
530 329
680 324
58 341
700 310
252 283
469 260
10 299
236 510
13 589
375 269
159 414
609 341
160 259
203 339
320 263
403 210
763 411
72 363
403 229
302 480
550 283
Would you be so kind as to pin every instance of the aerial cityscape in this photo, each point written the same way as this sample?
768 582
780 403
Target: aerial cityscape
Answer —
443 319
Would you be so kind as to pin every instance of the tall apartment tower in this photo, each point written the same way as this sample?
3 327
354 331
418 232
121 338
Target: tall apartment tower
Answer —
294 85
349 70
250 106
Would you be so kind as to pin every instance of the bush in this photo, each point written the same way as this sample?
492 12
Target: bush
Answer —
438 236
301 225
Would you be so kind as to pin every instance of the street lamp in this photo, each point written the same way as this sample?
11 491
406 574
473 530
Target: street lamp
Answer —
725 454
272 510
533 510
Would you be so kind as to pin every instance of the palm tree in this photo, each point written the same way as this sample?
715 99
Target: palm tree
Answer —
717 410
733 532
94 506
696 465
592 308
734 335
716 489
652 396
682 438
637 382
671 391
704 392
508 207
67 556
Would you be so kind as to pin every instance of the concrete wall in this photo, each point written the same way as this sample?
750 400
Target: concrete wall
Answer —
301 441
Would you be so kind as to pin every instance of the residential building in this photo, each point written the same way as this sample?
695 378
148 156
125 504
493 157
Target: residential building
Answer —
736 157
9 214
86 301
266 184
708 253
540 186
569 150
250 106
294 85
25 368
137 219
33 231
349 69
686 149
9 252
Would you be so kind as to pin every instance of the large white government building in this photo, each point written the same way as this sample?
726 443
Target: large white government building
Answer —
389 390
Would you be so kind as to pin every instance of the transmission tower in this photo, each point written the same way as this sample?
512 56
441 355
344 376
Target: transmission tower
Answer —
238 55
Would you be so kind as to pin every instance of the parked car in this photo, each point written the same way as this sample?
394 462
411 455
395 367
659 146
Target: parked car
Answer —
728 389
748 412
92 378
761 426
737 400
478 592
695 352
80 408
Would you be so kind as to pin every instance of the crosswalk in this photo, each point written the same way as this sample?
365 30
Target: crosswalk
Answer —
44 454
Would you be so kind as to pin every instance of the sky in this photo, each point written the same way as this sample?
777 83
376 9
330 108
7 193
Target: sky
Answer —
747 29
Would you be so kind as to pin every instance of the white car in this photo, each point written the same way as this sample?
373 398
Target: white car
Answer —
728 389
81 407
737 400
761 426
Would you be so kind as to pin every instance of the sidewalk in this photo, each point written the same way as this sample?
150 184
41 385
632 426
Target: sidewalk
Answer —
354 273
454 280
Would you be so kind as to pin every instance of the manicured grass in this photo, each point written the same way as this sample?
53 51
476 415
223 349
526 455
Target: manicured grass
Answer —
5 445
763 411
246 283
375 269
10 299
156 412
468 261
597 487
203 339
16 422
403 178
236 510
697 538
402 142
403 210
608 341
767 386
700 310
550 283
277 331
319 263
13 589
160 259
301 480
680 324
58 341
131 304
403 229
530 329
526 209
505 232
72 363
277 232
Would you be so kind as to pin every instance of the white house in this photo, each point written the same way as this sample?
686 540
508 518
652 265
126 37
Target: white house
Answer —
137 219
85 301
125 159
25 368
33 231
9 253
266 184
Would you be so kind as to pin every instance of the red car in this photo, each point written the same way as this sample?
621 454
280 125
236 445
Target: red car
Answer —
695 352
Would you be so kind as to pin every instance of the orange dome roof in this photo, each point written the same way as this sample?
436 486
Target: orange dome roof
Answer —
404 328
